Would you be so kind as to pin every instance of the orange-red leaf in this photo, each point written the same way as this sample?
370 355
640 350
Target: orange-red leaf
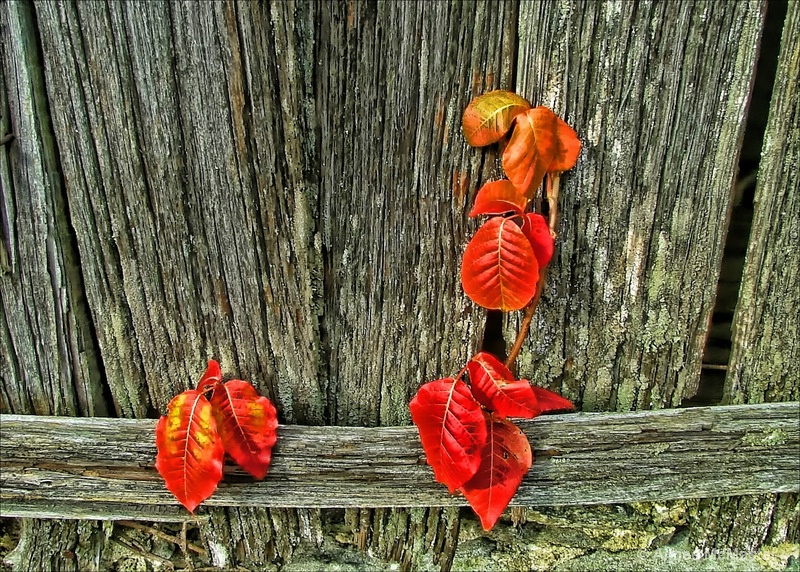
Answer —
452 429
506 459
495 387
541 143
549 401
190 452
499 270
528 154
498 197
566 144
247 424
488 117
538 232
212 375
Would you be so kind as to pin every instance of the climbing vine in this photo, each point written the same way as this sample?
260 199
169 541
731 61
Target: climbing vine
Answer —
463 421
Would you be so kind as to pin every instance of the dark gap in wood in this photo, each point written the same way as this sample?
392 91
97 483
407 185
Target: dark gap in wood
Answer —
718 340
493 341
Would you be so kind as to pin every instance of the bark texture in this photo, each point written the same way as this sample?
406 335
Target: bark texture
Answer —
48 360
272 185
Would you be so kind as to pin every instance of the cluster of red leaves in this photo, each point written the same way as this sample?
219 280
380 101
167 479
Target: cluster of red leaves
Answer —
502 262
197 431
469 442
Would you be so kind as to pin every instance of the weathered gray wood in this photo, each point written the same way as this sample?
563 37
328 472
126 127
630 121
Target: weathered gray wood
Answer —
48 362
192 195
658 92
273 185
765 357
392 82
50 464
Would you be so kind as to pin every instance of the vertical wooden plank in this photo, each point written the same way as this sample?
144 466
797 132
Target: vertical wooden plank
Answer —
392 80
196 241
48 356
192 185
658 92
48 364
765 357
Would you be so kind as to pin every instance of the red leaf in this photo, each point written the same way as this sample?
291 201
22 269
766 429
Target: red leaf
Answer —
541 143
247 424
190 452
495 387
212 376
528 154
549 401
538 232
565 140
498 197
506 459
499 270
488 117
452 429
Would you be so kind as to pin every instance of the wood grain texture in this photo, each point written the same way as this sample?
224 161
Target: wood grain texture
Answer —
282 186
50 464
765 357
273 185
48 361
189 176
392 80
658 93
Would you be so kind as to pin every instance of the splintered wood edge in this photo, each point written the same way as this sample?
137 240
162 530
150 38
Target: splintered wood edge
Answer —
101 468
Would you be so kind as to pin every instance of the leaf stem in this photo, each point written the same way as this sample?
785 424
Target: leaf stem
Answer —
526 320
462 372
552 200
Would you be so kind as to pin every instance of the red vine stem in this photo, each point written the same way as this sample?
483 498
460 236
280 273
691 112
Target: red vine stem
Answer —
526 320
551 186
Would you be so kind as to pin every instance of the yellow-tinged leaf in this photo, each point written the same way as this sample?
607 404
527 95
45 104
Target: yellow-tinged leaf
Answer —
488 117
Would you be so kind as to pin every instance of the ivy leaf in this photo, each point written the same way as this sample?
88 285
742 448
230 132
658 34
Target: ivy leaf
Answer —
535 227
506 459
452 429
488 117
499 270
247 424
498 197
190 451
495 388
550 401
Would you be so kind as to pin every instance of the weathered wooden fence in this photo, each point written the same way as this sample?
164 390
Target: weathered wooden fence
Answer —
283 186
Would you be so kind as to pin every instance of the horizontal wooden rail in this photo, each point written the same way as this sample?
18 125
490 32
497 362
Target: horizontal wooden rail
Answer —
66 467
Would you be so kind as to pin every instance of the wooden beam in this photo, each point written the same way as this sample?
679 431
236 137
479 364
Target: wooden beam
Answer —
69 467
